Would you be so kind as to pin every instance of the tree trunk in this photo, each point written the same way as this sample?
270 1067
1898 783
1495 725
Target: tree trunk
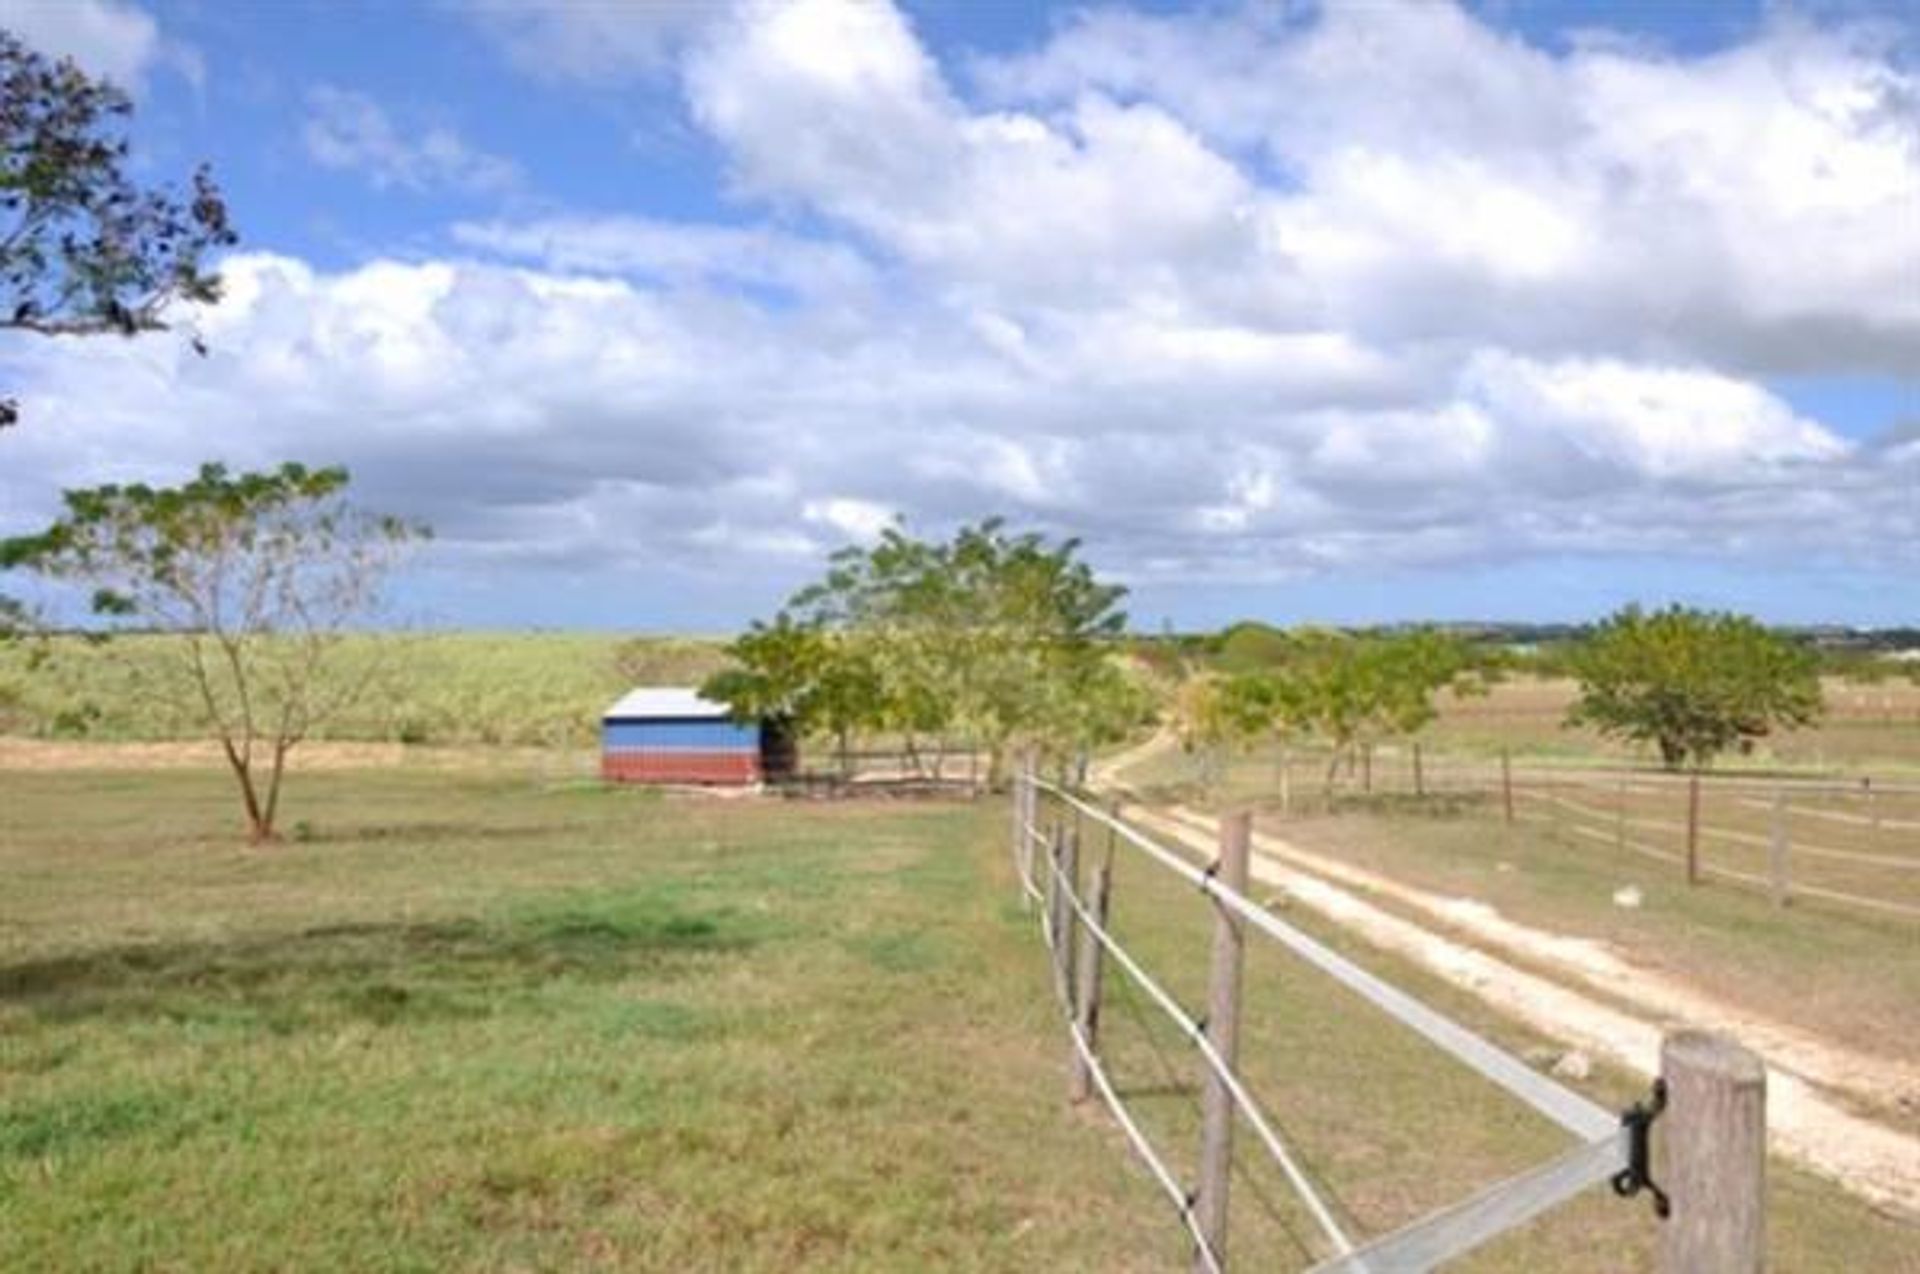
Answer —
271 813
259 818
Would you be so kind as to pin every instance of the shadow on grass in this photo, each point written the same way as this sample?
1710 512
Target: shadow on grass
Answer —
383 973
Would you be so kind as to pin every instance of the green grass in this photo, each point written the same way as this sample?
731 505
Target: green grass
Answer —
456 687
476 1023
537 1030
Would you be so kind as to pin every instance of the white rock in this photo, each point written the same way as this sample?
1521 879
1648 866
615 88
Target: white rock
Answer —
1628 897
1574 1065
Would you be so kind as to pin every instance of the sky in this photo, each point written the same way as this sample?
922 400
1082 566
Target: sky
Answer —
1340 312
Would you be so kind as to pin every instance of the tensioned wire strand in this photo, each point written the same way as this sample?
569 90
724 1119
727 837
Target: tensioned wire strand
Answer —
1198 1037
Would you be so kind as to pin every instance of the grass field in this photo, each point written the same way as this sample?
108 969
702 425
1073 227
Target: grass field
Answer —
1866 728
1840 972
475 1022
539 689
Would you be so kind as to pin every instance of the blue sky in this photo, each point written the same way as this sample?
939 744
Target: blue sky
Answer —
1343 311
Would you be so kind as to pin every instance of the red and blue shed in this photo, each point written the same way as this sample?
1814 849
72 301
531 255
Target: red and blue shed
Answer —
670 734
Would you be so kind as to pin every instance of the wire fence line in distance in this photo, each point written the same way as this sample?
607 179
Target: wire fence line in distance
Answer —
1609 1145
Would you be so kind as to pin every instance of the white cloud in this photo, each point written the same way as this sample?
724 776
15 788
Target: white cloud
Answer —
1753 207
350 131
861 520
590 41
1214 292
111 39
675 252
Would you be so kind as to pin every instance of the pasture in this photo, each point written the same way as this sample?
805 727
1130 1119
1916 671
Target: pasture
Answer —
472 1020
521 689
1866 728
467 1022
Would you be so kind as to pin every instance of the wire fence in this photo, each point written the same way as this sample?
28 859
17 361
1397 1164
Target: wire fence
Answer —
1851 842
1072 904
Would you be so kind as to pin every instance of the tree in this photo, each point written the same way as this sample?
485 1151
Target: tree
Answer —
1694 683
1216 715
997 634
803 675
256 577
1351 690
84 249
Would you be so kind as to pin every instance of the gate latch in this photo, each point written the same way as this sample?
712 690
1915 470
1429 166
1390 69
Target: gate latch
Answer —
1638 1119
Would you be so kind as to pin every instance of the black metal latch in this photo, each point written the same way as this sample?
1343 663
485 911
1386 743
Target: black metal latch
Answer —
1638 1119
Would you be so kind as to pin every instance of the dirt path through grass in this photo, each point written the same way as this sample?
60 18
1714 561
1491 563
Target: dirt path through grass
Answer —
1873 1161
1551 990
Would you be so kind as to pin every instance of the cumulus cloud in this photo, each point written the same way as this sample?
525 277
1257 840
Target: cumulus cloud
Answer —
111 39
678 253
351 131
1753 207
592 43
1237 297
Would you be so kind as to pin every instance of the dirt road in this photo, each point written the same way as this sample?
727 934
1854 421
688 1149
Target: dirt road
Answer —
1590 996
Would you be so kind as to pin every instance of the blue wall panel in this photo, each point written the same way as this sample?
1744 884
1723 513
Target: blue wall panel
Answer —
669 736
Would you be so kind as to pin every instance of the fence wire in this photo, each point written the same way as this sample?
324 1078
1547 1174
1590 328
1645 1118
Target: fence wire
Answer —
1425 1243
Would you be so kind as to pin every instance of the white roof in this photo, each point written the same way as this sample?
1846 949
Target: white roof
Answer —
653 702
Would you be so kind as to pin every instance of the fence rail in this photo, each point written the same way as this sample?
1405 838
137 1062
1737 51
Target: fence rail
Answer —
1046 861
1846 842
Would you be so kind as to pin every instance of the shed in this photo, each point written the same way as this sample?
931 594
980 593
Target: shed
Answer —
671 734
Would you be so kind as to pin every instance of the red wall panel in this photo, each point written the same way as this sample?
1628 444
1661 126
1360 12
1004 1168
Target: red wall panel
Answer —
719 768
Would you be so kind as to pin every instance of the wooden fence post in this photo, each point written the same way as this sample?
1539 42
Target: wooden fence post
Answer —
1366 769
1223 1033
1030 813
1069 919
1087 998
1693 828
1715 1150
1056 902
1419 779
1506 782
1777 849
1022 846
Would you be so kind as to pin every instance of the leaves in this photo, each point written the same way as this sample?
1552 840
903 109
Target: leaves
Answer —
1343 689
1693 683
999 635
83 249
257 576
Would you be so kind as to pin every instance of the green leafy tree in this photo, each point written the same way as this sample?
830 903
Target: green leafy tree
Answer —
804 676
84 248
1351 691
255 578
1216 716
1693 683
1000 635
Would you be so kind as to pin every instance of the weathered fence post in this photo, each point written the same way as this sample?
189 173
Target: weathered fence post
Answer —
1223 1033
1715 1150
1057 903
1029 821
1087 999
1069 919
1020 856
1419 779
1777 849
1506 782
1693 828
